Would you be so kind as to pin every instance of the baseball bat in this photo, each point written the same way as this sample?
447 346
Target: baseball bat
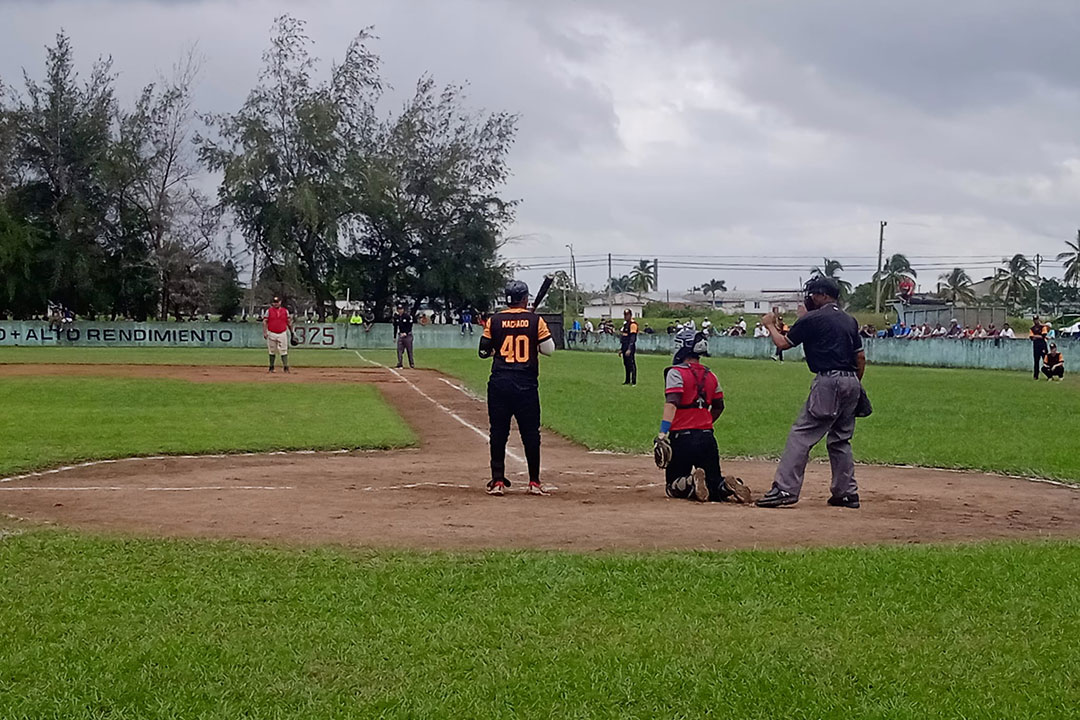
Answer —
543 291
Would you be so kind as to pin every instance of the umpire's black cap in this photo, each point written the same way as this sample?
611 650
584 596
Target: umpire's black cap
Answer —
823 286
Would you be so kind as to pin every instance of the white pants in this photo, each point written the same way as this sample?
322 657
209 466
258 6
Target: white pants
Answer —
277 343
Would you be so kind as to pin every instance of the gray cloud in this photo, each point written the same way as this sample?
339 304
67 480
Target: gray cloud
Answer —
766 128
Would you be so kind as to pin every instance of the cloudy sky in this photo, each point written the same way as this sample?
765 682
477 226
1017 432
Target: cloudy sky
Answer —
709 134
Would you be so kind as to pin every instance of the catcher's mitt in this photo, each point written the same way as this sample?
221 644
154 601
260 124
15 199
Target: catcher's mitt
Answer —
662 450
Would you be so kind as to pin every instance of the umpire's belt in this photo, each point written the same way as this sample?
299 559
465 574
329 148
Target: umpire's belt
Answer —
679 433
838 373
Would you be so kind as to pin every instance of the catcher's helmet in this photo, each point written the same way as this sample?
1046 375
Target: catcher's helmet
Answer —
688 342
823 286
516 291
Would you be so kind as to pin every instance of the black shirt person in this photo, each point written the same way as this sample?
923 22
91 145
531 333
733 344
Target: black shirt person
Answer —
403 323
1037 335
628 347
515 338
834 353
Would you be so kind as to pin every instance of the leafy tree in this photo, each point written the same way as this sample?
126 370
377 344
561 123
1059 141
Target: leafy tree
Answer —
20 294
621 284
712 287
955 287
402 207
643 277
1070 259
60 151
832 269
281 157
862 297
896 268
229 295
1013 280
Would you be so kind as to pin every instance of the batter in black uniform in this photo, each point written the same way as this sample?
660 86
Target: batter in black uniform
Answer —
515 338
628 347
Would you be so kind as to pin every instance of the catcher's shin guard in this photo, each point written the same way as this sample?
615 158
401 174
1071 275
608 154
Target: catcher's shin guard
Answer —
681 488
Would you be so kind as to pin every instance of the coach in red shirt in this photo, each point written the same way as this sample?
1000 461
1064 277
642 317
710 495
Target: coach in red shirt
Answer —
276 328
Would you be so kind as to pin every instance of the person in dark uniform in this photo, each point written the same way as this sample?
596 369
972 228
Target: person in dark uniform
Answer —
515 338
1037 335
403 323
693 400
1053 364
628 347
834 352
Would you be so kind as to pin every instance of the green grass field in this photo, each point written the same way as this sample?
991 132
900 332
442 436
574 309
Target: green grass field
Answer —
52 421
972 419
977 419
101 627
105 628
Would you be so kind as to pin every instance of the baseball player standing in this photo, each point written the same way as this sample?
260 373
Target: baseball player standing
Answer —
693 401
515 338
403 323
277 326
628 346
834 352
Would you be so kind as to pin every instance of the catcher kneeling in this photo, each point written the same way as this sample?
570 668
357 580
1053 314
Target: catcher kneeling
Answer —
686 448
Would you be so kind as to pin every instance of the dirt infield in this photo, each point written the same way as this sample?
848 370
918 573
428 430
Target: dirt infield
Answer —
432 496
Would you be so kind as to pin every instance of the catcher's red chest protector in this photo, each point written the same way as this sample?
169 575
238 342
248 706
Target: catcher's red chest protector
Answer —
700 388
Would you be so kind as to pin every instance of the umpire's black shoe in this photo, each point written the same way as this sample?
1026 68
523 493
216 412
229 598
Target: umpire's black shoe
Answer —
848 501
777 498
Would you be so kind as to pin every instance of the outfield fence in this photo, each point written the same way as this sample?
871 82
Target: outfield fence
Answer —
987 354
313 336
1000 354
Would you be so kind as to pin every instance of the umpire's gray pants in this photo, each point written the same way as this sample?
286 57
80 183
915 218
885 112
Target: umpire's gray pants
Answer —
829 409
405 345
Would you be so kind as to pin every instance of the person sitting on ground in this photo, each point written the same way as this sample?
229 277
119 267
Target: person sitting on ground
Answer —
1053 364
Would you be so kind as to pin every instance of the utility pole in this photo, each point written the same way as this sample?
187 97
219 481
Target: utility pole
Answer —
1038 284
656 273
573 277
880 254
609 298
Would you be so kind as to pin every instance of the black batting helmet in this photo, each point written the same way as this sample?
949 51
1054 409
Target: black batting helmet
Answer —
516 291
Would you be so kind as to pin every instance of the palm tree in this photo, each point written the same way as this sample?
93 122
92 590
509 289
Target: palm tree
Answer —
896 268
1012 281
955 286
712 287
620 284
643 277
1071 260
832 269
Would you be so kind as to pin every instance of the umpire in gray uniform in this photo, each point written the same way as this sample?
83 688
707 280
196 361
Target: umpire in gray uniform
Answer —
834 352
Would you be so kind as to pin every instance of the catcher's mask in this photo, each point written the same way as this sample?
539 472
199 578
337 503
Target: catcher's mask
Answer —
688 342
516 291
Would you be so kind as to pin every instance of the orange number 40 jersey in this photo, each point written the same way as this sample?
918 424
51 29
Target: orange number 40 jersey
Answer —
515 336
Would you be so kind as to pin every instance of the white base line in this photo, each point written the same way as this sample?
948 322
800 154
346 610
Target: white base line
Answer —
464 391
137 458
510 453
147 489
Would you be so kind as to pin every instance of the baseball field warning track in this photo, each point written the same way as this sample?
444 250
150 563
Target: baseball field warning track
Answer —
432 496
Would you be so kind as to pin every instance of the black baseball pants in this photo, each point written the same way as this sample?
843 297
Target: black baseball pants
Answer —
1053 372
1038 350
629 362
694 449
511 397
